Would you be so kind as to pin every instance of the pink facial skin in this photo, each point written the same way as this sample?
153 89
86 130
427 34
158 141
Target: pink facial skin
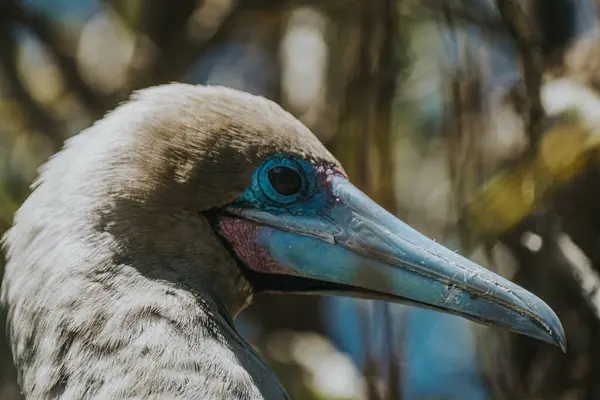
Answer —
242 234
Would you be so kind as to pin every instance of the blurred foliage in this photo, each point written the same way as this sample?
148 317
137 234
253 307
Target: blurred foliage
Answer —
511 195
473 120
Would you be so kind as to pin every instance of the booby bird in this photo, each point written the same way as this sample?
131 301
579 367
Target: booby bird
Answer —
149 231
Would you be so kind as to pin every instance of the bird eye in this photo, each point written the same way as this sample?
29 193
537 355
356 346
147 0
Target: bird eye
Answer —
285 180
282 180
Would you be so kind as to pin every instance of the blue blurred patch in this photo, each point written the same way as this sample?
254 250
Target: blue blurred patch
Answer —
438 357
66 11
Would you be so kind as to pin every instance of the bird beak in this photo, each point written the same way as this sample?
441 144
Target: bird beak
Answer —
356 247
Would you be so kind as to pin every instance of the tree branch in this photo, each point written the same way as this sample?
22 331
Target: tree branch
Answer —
522 29
462 14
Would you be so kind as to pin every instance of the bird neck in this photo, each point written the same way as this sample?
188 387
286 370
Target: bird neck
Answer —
133 336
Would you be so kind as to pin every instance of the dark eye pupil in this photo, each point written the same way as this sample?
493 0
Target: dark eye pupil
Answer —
285 180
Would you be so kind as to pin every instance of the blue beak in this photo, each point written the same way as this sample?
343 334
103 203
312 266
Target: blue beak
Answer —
358 248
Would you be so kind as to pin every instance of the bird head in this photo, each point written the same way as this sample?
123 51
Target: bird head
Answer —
227 193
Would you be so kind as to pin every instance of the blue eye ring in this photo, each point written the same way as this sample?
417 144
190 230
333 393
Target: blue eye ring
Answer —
267 180
305 198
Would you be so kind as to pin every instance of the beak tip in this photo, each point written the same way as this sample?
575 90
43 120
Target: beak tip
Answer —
557 338
563 347
555 333
561 339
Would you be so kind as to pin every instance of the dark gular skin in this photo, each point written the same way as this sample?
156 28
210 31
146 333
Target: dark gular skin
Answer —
129 260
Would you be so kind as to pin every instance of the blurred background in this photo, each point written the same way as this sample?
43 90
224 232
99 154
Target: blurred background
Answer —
475 121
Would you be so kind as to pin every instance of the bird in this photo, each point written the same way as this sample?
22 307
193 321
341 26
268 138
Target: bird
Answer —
151 230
